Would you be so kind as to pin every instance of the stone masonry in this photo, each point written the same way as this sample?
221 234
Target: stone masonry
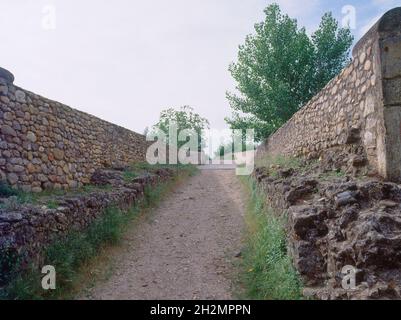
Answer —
45 144
27 229
359 111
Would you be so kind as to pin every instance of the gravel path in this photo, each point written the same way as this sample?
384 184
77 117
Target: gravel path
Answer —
186 248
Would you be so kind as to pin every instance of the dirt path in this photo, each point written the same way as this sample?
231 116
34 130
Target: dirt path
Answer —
186 248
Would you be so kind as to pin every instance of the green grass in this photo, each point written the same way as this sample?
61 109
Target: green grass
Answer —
70 253
47 197
276 163
6 190
128 175
283 162
268 272
332 174
138 169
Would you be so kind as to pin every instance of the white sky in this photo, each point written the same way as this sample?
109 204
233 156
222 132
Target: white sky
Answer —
126 60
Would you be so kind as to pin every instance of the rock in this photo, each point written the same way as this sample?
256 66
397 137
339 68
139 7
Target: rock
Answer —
304 188
388 204
309 262
6 75
285 173
58 154
26 188
348 216
362 57
345 198
12 178
2 176
104 177
20 96
5 99
353 135
61 218
10 217
37 190
42 178
16 168
3 90
72 184
308 222
8 131
31 136
358 161
8 116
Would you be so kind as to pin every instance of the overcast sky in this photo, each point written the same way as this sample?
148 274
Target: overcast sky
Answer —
126 60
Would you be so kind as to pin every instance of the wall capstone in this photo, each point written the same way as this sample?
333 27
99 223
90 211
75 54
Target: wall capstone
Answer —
6 76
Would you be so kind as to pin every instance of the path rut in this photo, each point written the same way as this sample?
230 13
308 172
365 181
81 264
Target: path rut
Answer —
184 249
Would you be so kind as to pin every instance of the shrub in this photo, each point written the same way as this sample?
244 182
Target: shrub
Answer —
6 190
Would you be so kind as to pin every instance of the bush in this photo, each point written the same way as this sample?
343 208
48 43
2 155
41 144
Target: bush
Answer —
6 190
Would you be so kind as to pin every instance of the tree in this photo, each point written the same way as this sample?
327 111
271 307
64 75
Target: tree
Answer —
236 143
184 118
280 68
331 52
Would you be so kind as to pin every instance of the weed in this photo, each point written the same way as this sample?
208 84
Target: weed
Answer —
268 272
128 175
11 203
6 190
332 174
52 204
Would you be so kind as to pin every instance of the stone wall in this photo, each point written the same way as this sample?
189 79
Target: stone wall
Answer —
358 112
45 144
333 222
27 229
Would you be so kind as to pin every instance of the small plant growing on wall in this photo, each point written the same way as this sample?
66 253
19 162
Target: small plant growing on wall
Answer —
6 190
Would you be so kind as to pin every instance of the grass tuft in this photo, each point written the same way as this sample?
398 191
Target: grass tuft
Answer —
268 272
6 190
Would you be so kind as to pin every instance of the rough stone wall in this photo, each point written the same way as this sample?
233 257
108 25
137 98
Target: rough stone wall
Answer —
28 228
45 144
334 222
359 111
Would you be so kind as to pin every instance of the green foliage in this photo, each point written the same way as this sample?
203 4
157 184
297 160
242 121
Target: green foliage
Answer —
331 52
330 175
49 197
9 264
282 162
68 254
224 150
128 175
6 190
184 119
52 204
268 270
280 68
